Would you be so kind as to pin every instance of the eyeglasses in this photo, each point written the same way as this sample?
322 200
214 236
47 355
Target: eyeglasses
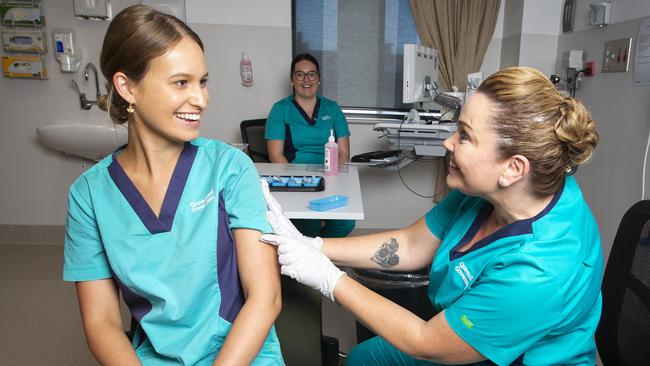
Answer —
300 75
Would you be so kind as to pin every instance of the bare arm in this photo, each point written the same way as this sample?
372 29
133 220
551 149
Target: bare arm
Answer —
344 149
260 278
431 340
404 249
276 151
100 313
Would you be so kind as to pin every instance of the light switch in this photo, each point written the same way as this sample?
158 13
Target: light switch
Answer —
616 57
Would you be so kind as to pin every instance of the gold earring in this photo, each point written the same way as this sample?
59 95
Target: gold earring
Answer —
130 108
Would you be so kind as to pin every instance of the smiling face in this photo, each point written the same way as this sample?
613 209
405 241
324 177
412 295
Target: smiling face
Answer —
171 96
305 88
475 166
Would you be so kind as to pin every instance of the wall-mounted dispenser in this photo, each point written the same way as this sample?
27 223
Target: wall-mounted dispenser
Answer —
600 14
93 9
65 49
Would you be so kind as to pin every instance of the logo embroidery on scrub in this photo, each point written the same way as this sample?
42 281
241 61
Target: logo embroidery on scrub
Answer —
466 322
464 273
326 117
200 204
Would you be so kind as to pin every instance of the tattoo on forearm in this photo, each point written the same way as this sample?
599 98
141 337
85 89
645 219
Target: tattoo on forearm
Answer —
387 256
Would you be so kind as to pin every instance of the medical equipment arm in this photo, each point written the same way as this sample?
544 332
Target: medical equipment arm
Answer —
100 313
276 151
260 280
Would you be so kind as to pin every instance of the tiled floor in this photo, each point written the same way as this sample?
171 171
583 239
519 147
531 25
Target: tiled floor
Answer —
40 315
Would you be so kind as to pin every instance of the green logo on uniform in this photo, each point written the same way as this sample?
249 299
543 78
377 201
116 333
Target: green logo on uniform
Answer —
465 320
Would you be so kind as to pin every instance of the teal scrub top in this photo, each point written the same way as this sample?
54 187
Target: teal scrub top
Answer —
304 137
528 292
177 272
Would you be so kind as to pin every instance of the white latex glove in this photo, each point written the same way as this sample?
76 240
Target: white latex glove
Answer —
280 222
305 264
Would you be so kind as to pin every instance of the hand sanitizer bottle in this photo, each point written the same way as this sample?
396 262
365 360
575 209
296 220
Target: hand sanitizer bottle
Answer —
331 156
246 70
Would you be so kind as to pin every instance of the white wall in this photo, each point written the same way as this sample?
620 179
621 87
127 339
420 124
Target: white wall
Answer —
35 179
492 59
241 12
530 31
611 182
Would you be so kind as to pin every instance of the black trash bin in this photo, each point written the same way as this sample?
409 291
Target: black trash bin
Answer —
408 289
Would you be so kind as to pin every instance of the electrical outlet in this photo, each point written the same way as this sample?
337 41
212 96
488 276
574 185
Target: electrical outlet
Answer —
617 55
590 68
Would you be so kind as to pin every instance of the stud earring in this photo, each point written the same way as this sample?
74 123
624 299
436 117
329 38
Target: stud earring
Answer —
502 181
130 108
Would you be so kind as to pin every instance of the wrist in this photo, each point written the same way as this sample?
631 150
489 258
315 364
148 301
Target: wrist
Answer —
332 280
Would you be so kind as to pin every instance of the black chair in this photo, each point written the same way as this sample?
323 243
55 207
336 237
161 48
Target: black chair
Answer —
623 334
252 133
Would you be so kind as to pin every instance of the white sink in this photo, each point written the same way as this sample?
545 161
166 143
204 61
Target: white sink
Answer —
85 140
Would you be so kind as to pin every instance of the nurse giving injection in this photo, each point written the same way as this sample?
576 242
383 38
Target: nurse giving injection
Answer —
514 251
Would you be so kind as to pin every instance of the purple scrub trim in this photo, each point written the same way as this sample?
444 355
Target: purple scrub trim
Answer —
173 195
232 298
310 120
138 305
289 149
516 228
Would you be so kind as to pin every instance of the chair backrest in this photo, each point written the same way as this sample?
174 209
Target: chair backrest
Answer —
252 133
623 335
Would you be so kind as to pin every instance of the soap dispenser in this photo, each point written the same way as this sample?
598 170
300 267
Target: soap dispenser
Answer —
331 166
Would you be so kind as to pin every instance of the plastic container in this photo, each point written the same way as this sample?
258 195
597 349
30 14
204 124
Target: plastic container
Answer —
407 289
246 70
331 165
328 203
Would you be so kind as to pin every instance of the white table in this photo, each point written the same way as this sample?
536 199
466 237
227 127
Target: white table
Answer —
295 204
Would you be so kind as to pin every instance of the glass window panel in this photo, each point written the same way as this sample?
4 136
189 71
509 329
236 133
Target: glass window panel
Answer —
359 45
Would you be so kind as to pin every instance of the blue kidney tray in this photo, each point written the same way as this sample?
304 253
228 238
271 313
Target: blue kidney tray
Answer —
328 203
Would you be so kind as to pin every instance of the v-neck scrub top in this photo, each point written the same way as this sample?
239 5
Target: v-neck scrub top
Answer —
177 272
305 137
531 290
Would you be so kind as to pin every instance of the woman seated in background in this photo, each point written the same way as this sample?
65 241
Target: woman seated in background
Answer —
515 253
171 220
297 130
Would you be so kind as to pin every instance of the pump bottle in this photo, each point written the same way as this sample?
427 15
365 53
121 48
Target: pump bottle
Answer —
246 70
331 156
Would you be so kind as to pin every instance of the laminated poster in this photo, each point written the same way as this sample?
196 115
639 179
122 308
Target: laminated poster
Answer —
642 55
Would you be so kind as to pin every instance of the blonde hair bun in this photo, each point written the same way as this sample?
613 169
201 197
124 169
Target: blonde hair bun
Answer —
577 130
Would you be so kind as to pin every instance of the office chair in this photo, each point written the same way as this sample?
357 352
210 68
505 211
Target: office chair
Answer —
252 133
623 334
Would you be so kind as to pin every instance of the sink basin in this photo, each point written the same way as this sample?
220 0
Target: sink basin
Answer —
85 140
